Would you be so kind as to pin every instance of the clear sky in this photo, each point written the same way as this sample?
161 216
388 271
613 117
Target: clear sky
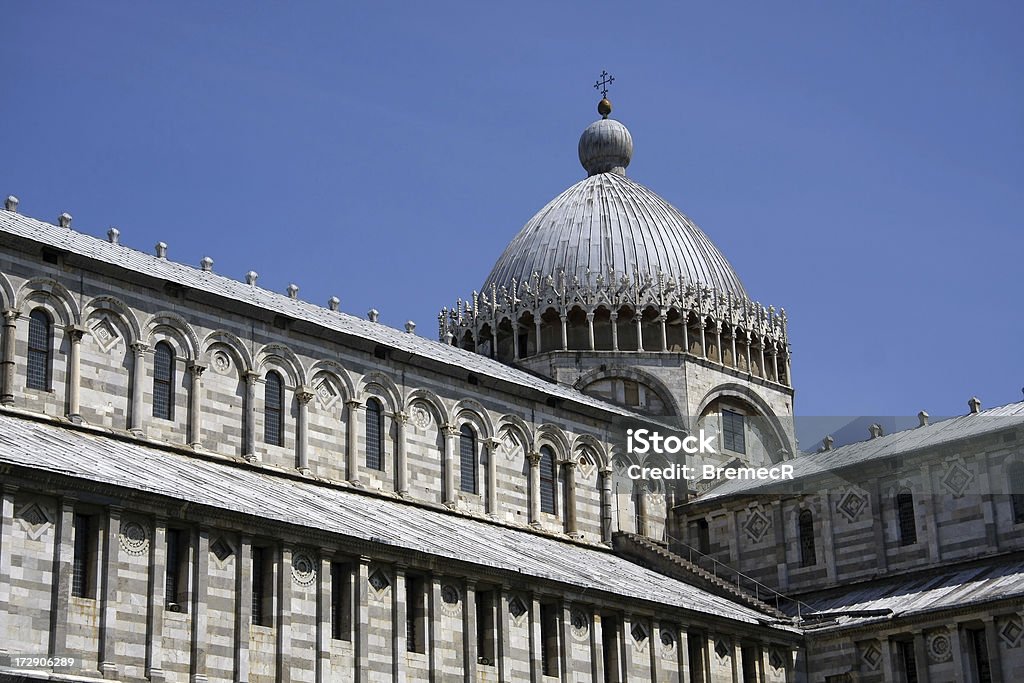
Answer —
861 164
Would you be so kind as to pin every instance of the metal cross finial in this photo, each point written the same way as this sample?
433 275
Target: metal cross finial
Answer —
603 84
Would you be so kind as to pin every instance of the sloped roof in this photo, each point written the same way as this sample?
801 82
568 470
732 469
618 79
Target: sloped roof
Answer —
95 457
806 467
954 588
68 240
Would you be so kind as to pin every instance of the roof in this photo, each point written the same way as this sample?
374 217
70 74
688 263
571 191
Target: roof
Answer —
954 588
807 467
68 240
94 457
608 222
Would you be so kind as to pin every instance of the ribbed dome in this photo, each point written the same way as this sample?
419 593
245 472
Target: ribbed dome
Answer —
608 221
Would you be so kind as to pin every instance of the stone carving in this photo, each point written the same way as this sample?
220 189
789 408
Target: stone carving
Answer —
579 624
516 607
957 478
668 642
640 634
378 582
852 504
871 655
326 394
757 524
451 599
775 658
35 520
134 538
303 569
105 334
940 649
509 446
1011 631
221 362
721 649
421 417
221 550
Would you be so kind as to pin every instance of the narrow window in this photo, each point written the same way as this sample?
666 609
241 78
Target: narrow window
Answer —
273 405
374 435
467 459
1016 477
695 647
40 350
262 586
808 557
751 657
908 661
732 432
82 575
486 633
549 639
415 614
703 536
547 480
177 568
610 649
341 605
979 648
905 514
163 381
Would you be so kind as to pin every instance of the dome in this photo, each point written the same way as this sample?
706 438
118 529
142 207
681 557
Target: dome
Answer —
609 223
605 146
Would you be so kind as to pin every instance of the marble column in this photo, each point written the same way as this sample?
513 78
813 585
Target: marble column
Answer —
74 333
139 351
596 648
639 332
570 496
352 425
703 339
469 627
156 600
243 607
606 505
534 494
324 600
250 378
438 637
565 334
503 663
303 395
732 341
491 445
200 586
615 330
361 620
195 403
590 330
516 354
108 594
6 551
536 318
718 337
283 618
536 642
399 646
7 371
401 419
450 432
664 333
63 566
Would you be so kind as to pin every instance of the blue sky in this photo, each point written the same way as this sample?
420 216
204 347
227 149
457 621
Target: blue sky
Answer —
859 163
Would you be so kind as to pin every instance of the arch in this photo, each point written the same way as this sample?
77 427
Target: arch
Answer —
7 297
554 436
389 390
594 445
474 408
431 400
177 327
635 374
760 406
111 304
233 344
336 372
283 358
48 291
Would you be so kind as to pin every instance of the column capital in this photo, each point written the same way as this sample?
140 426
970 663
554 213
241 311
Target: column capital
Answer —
568 463
450 429
492 442
353 404
139 347
75 332
400 417
251 376
304 394
196 368
534 458
10 315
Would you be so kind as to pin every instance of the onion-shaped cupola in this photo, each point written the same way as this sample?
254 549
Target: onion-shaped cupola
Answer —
608 265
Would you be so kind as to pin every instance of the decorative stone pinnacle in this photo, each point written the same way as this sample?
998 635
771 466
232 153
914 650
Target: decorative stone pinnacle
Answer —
64 220
373 315
922 419
206 264
333 303
875 430
11 203
161 249
114 235
251 277
975 405
827 442
410 327
293 291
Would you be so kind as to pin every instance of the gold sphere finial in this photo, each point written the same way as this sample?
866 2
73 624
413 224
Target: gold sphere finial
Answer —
604 107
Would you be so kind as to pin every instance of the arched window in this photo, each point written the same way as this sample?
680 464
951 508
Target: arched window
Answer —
163 381
547 480
374 435
1016 477
808 557
40 350
467 459
905 516
273 410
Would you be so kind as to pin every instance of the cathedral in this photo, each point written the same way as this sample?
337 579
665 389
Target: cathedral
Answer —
205 481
